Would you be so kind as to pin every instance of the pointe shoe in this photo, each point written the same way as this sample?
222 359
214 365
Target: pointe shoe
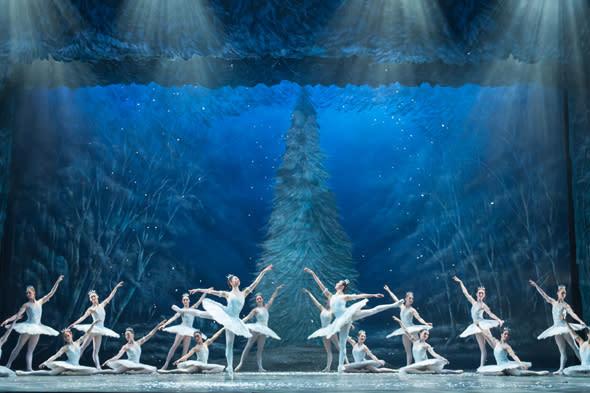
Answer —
261 370
238 368
326 370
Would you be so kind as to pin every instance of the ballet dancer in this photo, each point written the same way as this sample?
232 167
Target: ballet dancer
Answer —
504 366
30 330
184 331
132 364
201 365
478 307
559 330
97 310
582 370
344 316
4 371
259 330
361 364
72 350
423 365
229 315
407 314
325 318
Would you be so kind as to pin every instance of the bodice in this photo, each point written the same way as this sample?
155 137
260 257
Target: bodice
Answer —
34 312
99 313
235 303
73 354
557 310
357 353
419 351
262 316
203 354
500 354
187 319
337 305
325 317
477 311
134 352
585 355
406 316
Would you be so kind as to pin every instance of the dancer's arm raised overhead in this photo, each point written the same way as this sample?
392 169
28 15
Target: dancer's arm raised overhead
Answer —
464 290
111 295
46 298
313 299
274 295
325 290
203 296
547 298
251 287
395 299
145 338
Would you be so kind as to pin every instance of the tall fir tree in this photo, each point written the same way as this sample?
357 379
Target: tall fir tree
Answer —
304 230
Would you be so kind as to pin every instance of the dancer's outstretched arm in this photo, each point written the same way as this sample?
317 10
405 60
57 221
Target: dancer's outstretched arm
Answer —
16 316
362 296
214 336
61 351
434 354
170 320
487 334
491 314
250 315
508 349
575 335
85 335
123 349
465 291
145 338
46 298
351 341
203 296
112 294
571 312
410 336
313 299
8 331
251 287
190 353
83 317
209 291
395 299
370 354
274 295
317 280
419 318
547 298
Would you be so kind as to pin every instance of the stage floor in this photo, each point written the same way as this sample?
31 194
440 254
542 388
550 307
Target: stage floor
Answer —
294 382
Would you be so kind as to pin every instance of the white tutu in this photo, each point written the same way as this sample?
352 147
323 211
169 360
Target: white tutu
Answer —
338 323
234 325
194 366
501 369
6 372
34 329
412 329
556 330
473 329
360 365
181 330
131 366
432 365
577 371
97 330
66 367
262 329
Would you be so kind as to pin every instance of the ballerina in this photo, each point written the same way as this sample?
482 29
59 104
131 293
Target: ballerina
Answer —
32 328
559 330
133 349
259 330
72 350
4 371
504 366
582 370
201 365
325 318
478 307
229 316
423 365
407 315
359 353
344 316
97 310
184 331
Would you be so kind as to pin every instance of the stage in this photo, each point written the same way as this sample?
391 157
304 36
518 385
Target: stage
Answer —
294 382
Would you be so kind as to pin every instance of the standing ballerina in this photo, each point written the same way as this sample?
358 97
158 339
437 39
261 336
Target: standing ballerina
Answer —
359 353
259 330
201 365
229 315
31 329
504 366
478 307
583 370
559 330
73 351
344 316
423 365
184 331
407 315
4 371
98 313
132 364
325 318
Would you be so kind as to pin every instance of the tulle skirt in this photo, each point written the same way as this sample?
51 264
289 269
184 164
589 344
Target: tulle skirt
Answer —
6 372
473 329
34 329
412 329
577 371
428 365
194 366
185 331
501 369
69 368
556 330
351 367
129 365
234 325
343 320
97 330
262 329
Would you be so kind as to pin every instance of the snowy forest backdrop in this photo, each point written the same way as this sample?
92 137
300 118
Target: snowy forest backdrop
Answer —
172 188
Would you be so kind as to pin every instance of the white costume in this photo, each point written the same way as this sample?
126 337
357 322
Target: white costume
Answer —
131 364
584 368
200 365
503 365
360 361
33 325
261 325
5 371
185 328
408 320
228 316
72 365
559 326
477 315
421 362
99 329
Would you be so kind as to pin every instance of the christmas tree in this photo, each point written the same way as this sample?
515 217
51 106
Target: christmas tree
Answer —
303 231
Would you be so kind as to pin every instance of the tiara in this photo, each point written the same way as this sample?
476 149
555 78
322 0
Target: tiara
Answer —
92 291
346 281
481 287
409 293
185 295
560 286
